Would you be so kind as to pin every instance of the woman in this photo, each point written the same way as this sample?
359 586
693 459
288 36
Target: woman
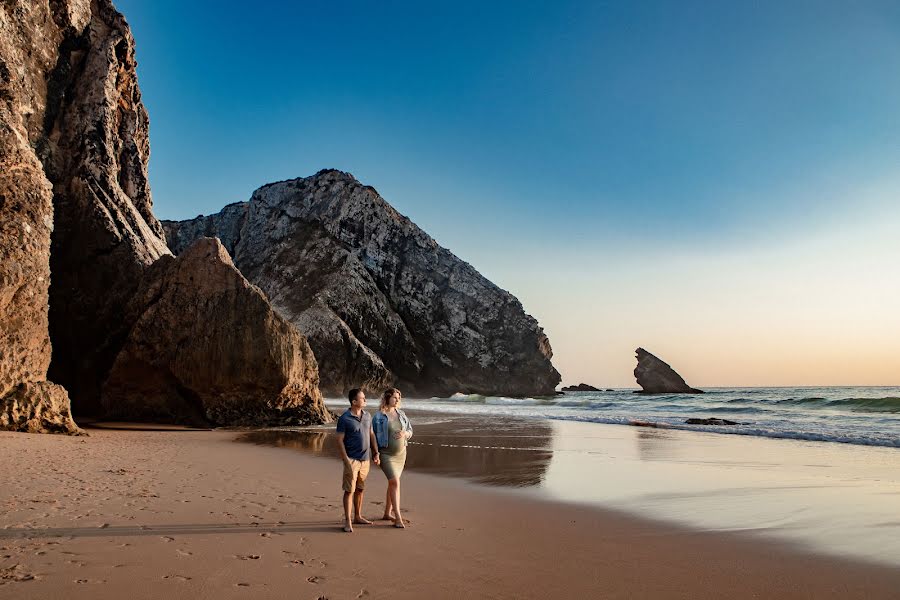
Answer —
392 431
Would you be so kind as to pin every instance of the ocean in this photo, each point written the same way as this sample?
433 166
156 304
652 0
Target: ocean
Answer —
852 415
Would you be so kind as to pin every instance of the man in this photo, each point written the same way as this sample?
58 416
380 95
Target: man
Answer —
355 437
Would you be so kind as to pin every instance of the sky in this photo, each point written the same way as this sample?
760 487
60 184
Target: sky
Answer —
715 182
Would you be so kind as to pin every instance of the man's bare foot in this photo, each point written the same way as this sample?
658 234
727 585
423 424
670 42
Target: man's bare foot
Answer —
362 521
348 528
387 517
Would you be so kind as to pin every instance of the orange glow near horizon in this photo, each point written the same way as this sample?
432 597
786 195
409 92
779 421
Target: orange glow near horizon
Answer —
816 311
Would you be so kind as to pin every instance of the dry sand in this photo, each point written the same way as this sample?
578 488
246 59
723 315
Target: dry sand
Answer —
191 514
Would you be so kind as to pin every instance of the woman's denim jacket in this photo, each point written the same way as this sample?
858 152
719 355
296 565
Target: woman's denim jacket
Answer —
383 430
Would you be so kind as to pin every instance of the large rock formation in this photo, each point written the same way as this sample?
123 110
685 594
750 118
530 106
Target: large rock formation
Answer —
95 149
379 300
30 34
206 346
657 377
74 149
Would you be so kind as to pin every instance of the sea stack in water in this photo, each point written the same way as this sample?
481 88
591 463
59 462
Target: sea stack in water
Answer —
75 202
657 377
581 387
380 301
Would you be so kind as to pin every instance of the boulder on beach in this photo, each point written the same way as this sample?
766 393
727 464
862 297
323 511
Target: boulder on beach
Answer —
657 377
581 387
206 347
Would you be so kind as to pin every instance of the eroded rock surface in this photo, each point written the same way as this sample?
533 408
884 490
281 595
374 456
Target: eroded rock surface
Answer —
379 300
30 36
37 407
206 346
657 377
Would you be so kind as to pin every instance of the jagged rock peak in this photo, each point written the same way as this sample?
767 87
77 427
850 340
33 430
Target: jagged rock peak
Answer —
657 377
381 302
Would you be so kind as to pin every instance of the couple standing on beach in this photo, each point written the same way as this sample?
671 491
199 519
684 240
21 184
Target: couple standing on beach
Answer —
383 440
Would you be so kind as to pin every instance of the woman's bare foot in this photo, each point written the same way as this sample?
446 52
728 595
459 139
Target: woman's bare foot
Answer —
362 521
348 528
398 523
388 517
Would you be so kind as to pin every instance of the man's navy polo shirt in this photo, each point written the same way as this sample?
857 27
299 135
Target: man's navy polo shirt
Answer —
356 434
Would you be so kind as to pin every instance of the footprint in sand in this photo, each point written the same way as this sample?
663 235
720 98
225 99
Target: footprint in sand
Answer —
314 579
297 563
177 577
184 552
166 538
362 594
247 556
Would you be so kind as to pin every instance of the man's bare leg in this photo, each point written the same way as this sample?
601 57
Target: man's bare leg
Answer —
347 526
357 509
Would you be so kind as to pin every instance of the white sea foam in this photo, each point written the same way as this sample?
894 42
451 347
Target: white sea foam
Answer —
865 416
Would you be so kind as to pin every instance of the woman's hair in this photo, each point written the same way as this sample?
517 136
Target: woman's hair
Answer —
387 396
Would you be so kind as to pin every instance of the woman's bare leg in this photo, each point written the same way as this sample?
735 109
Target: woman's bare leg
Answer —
388 504
394 489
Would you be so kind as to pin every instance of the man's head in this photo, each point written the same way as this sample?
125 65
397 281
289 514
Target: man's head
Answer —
357 398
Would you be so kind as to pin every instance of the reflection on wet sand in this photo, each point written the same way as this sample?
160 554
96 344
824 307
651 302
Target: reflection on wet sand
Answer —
506 452
654 444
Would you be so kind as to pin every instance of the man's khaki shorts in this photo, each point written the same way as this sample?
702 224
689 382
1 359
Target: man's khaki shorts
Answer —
355 475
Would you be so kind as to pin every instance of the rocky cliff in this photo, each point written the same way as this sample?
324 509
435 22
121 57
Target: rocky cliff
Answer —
657 377
379 300
30 35
77 215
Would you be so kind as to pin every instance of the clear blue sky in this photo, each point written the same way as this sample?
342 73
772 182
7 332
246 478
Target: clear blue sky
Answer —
571 151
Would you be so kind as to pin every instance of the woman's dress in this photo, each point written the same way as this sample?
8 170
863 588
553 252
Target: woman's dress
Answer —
393 458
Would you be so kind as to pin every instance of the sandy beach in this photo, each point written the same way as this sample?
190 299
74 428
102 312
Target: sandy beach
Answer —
192 514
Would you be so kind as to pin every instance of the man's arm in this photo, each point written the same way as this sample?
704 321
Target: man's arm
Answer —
344 456
374 444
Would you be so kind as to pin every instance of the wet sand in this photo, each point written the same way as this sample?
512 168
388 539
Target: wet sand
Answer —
833 498
191 514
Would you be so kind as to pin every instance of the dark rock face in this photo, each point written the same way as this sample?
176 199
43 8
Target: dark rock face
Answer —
30 34
206 346
657 377
581 387
75 201
94 147
379 300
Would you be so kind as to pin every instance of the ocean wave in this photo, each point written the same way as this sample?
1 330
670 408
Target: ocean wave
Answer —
747 410
888 404
460 397
504 401
749 429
